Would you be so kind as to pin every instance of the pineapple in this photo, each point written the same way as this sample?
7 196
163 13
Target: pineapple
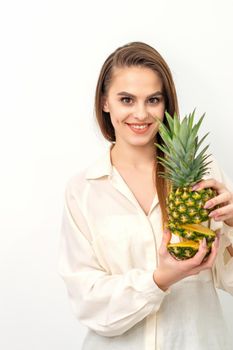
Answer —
183 250
184 168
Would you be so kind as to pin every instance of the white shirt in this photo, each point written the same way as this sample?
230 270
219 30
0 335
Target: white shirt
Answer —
108 252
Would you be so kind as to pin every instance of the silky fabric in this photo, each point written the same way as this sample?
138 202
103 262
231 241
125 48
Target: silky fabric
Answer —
108 252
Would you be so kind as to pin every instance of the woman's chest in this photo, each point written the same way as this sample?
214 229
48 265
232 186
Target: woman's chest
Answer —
142 186
123 236
122 242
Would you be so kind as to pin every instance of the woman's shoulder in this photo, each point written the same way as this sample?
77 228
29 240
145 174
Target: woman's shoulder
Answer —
76 181
79 179
98 167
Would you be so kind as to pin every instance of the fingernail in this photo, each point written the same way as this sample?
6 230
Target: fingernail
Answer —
207 205
204 242
195 187
214 216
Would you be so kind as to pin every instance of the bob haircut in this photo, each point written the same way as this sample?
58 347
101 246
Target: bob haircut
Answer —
143 55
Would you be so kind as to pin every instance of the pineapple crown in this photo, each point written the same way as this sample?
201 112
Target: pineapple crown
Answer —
183 166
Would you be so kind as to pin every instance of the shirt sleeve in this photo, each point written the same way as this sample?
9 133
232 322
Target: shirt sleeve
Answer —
109 304
223 268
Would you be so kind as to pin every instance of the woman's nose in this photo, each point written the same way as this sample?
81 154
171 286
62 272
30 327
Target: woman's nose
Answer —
141 111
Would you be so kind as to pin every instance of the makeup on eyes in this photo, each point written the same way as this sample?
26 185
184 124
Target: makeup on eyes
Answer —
151 98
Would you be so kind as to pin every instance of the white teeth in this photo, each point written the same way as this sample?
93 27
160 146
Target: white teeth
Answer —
139 126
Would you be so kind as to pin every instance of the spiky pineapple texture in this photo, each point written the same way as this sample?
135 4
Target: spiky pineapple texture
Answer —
184 167
187 206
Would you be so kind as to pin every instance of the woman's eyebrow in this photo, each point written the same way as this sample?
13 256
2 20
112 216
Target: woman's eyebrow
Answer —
157 93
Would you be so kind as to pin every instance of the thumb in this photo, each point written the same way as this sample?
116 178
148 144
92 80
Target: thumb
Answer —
165 240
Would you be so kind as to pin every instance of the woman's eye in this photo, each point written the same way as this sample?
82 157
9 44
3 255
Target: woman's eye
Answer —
125 98
154 99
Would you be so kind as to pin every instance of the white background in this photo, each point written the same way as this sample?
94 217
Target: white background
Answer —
51 55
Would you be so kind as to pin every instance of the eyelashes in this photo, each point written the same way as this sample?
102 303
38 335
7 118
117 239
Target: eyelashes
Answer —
156 99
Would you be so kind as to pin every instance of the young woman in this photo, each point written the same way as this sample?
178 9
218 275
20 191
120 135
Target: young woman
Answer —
122 282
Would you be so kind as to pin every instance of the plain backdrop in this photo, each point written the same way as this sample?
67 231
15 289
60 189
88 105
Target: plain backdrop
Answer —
51 55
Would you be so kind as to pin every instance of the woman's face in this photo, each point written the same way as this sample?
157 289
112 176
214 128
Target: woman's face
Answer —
135 98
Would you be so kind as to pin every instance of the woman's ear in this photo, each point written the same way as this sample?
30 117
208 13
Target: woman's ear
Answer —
105 106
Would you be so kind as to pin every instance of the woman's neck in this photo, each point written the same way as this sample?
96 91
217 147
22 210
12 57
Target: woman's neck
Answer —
134 157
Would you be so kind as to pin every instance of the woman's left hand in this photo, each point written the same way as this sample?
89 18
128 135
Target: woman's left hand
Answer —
224 199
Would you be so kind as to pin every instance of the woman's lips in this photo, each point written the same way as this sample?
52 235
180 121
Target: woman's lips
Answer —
139 130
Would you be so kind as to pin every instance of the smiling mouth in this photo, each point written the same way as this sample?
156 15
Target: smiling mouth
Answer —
139 126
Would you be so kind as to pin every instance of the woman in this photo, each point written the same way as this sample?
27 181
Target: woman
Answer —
122 282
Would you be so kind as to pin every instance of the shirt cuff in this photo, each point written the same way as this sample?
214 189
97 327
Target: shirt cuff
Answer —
152 286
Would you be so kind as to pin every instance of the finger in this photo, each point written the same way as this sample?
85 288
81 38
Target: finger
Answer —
199 256
166 237
165 240
226 212
208 263
224 218
209 183
220 199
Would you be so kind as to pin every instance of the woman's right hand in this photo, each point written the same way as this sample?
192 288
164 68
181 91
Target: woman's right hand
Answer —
170 270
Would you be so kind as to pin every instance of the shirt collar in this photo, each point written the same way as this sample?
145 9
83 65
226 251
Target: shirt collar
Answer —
102 166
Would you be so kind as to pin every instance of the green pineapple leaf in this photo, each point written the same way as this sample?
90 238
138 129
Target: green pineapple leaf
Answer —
180 145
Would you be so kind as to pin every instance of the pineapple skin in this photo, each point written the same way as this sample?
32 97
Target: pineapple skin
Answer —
186 250
192 235
187 207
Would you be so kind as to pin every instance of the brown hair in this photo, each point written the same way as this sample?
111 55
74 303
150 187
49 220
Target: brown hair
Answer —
143 55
